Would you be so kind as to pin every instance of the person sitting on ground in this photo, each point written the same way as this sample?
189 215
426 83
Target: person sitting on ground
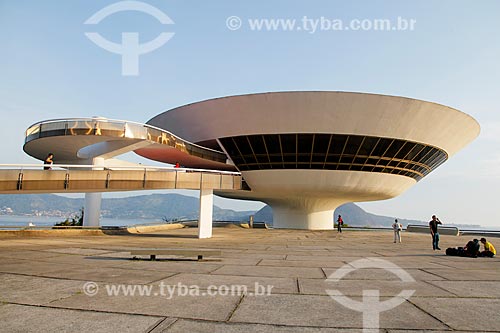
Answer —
472 248
489 249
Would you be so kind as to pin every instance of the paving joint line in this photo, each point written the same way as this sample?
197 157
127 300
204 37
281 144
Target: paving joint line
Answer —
83 310
439 287
431 315
151 330
235 308
431 273
46 277
65 297
154 281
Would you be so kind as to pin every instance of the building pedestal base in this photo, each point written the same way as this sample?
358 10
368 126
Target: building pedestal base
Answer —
287 218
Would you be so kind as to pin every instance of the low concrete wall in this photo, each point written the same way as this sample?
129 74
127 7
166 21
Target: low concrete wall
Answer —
142 229
217 224
453 231
51 233
260 225
68 232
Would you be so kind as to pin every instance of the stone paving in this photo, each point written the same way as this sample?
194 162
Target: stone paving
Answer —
61 284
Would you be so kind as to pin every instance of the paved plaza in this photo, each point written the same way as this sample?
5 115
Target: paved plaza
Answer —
65 283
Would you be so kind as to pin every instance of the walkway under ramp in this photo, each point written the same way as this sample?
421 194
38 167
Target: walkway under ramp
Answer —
78 181
93 182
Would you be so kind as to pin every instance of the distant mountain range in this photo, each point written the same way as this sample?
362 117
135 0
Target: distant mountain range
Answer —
157 206
169 207
352 215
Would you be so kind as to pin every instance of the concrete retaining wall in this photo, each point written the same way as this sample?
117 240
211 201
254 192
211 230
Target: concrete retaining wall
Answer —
51 233
453 231
68 232
141 229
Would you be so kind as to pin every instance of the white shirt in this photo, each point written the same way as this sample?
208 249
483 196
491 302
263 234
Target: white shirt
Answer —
397 226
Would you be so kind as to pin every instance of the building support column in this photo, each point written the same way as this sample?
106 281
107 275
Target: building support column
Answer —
92 209
206 213
290 218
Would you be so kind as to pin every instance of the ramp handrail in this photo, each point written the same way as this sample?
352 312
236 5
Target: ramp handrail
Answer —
31 166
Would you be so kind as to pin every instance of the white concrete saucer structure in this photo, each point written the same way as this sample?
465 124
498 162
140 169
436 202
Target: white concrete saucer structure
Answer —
306 153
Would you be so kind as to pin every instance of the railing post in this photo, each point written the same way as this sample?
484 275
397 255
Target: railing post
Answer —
66 181
108 176
20 181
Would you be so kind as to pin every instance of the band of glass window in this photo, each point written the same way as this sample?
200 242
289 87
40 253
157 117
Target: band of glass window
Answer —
333 152
118 129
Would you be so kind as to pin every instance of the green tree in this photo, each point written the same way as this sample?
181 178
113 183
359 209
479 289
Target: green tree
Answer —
74 221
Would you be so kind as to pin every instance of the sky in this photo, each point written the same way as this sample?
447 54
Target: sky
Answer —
50 69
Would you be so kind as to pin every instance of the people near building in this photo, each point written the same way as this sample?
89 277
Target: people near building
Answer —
340 223
48 162
471 249
177 165
398 228
433 226
489 249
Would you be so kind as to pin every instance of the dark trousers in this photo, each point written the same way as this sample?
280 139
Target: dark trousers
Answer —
486 254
